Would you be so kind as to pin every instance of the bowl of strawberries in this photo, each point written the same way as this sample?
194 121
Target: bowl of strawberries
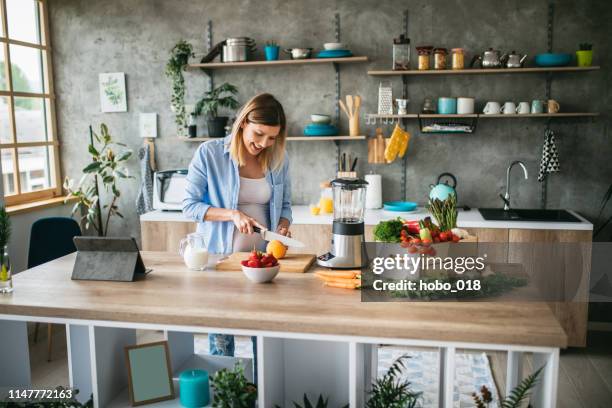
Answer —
260 267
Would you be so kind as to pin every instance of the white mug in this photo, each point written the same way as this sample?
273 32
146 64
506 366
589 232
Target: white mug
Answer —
509 108
465 106
523 108
491 108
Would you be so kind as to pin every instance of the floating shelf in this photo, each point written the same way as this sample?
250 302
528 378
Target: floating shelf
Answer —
261 64
289 138
490 116
479 71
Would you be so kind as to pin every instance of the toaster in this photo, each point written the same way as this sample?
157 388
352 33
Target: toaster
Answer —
169 189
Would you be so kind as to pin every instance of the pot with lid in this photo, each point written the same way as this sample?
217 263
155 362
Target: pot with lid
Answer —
236 49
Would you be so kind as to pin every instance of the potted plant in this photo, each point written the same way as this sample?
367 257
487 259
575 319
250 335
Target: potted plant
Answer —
584 55
220 97
6 280
232 389
516 398
179 56
271 49
390 391
321 403
107 165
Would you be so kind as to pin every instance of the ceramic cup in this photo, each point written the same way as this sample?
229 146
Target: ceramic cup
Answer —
523 108
447 106
537 106
553 106
509 108
465 106
491 108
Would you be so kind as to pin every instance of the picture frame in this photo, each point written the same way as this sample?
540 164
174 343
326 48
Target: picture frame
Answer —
149 373
148 125
113 97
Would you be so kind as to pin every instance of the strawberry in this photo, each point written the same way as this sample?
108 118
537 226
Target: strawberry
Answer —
245 262
254 263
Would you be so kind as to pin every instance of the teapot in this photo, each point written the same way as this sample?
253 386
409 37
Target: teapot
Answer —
488 59
442 191
513 60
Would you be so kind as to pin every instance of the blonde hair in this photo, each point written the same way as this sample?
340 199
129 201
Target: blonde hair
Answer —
262 109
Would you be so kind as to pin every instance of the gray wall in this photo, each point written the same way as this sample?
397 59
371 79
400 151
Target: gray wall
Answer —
135 37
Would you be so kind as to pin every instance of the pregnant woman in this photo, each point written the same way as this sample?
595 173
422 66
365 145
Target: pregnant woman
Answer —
239 182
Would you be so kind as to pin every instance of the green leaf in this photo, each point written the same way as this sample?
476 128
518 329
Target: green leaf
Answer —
125 156
92 150
92 167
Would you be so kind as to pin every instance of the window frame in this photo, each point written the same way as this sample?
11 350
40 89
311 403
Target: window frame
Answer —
48 95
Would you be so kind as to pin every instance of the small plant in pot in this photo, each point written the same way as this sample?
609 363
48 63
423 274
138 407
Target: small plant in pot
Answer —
232 389
220 97
584 55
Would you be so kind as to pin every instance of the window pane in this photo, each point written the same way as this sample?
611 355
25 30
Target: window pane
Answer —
26 69
23 20
31 119
8 172
35 167
5 128
3 83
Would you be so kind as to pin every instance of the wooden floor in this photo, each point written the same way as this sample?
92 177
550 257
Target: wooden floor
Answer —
585 376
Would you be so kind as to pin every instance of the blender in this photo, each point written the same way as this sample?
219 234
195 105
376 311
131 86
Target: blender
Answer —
348 229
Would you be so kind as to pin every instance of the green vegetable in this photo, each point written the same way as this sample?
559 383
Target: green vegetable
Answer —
389 231
445 212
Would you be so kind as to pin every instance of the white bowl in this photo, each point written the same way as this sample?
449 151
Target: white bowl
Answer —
320 118
261 275
334 46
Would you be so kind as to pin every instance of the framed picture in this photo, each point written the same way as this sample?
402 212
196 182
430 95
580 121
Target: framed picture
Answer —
149 373
112 92
148 125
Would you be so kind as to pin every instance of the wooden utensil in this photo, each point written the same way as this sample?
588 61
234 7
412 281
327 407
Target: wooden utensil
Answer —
351 109
293 263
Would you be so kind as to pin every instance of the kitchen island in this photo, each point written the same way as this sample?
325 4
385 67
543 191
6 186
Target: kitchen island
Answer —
310 338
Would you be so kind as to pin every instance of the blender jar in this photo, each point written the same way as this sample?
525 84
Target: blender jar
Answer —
349 200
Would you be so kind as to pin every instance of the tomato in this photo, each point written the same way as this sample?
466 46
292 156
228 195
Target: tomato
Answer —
456 238
426 242
413 249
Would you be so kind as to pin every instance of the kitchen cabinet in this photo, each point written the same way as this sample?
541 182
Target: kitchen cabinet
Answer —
164 235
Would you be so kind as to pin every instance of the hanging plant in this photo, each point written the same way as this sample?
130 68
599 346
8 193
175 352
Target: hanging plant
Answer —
179 56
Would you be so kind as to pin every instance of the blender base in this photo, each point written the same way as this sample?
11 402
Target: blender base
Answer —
346 253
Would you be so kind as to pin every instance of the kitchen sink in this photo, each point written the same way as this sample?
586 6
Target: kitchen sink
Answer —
498 214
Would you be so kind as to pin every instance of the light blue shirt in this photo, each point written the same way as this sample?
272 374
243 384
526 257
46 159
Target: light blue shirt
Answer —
213 181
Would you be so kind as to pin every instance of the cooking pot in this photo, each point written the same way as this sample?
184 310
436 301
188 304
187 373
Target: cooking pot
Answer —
442 191
299 53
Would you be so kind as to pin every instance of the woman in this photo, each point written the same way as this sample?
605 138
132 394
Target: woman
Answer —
240 182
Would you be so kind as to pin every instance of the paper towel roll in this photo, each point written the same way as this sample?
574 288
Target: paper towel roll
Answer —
373 191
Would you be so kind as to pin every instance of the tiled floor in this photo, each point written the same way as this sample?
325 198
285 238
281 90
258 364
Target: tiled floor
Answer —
585 376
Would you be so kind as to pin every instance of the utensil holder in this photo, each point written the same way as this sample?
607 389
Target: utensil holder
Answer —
346 174
354 126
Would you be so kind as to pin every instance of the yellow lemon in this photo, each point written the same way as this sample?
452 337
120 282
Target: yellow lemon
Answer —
277 249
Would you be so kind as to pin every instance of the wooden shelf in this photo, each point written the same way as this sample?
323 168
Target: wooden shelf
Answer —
480 71
491 116
289 138
260 64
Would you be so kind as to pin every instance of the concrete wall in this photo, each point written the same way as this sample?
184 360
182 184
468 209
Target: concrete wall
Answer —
135 37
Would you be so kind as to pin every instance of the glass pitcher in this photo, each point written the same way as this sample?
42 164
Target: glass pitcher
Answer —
194 251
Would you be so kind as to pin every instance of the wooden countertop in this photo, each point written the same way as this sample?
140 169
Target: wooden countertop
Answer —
299 303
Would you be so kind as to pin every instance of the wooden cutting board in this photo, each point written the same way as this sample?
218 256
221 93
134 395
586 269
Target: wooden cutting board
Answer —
296 263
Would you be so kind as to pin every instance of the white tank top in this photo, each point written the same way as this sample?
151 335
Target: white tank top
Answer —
253 200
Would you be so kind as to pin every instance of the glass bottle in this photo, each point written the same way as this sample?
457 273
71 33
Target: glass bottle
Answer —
401 53
6 278
193 129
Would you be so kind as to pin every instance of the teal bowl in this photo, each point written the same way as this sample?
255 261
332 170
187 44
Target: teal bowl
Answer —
552 60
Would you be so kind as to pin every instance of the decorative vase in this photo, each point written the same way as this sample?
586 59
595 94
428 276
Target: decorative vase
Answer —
584 57
216 126
6 278
271 52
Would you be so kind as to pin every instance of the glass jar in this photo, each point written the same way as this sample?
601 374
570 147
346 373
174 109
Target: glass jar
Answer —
424 54
401 53
457 58
440 58
326 201
6 278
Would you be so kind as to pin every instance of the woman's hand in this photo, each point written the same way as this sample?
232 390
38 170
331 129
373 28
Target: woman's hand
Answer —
244 223
283 227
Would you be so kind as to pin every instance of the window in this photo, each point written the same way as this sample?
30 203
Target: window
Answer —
28 136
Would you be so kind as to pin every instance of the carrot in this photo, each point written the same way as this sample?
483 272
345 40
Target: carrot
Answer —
339 274
343 285
341 280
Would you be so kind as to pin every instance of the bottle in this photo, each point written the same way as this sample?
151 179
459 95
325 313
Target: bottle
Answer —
6 279
191 124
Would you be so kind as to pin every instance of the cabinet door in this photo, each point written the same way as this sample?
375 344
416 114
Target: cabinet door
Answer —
164 235
573 316
317 238
493 242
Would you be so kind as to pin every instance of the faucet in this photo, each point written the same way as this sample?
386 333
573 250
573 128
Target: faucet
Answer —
506 197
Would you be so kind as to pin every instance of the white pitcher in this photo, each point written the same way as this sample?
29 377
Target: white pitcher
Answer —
194 251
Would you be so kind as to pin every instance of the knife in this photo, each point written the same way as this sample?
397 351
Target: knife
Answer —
268 235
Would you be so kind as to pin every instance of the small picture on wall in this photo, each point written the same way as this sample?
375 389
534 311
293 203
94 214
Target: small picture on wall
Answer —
148 125
112 92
